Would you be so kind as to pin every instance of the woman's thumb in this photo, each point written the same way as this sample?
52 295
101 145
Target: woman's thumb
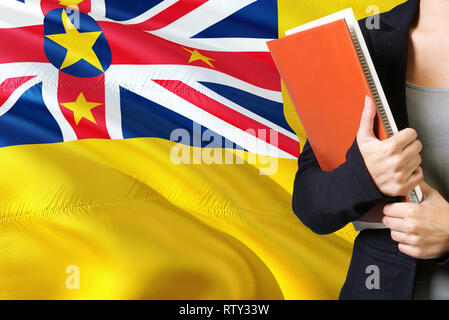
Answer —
366 128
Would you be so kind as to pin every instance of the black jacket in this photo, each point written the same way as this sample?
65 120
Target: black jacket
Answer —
327 201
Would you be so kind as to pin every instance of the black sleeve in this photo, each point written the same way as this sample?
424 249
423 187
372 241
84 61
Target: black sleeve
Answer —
443 261
327 201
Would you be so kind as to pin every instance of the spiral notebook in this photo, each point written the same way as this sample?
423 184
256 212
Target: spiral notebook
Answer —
328 71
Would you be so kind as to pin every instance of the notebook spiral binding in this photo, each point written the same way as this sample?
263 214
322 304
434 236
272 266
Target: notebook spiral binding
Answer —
412 195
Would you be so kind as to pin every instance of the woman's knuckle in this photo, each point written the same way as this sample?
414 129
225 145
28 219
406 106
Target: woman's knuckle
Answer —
419 145
397 178
411 227
410 211
419 159
412 132
396 188
390 148
415 240
395 165
393 235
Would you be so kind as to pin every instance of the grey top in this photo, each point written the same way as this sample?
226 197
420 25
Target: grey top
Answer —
428 113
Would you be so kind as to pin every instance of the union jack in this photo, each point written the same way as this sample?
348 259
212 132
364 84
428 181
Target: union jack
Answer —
162 64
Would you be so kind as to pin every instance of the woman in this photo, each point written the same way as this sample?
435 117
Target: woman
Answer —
410 52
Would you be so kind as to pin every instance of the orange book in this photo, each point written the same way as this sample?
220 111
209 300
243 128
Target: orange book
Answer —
328 71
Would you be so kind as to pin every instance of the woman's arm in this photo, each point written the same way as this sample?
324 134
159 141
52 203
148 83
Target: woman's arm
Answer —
326 201
375 172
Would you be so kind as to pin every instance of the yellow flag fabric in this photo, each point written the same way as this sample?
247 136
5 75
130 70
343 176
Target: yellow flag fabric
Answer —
127 223
138 226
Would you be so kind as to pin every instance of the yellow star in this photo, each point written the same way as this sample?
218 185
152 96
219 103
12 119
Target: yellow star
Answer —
79 45
195 55
82 109
70 3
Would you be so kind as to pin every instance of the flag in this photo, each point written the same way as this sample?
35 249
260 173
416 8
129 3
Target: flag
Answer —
148 151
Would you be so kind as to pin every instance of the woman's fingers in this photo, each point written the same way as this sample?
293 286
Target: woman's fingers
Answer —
396 224
413 149
404 238
403 138
415 179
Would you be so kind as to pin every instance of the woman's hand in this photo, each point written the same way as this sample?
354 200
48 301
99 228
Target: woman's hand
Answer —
422 230
394 164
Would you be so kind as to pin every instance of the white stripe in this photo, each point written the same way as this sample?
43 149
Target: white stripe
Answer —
50 96
113 110
13 70
17 94
204 16
49 76
173 102
217 44
16 14
138 79
213 95
140 75
208 14
144 16
151 12
191 75
98 9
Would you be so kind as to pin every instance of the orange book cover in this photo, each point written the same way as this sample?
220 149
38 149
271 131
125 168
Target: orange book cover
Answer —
327 84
